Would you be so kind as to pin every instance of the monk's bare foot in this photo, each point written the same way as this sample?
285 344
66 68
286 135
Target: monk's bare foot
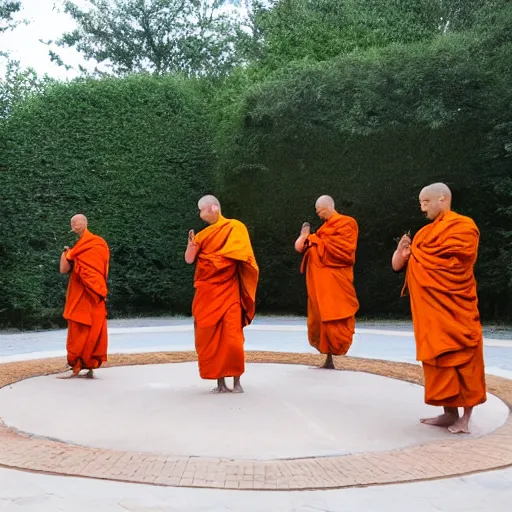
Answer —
329 363
69 375
444 420
221 387
237 388
461 426
89 375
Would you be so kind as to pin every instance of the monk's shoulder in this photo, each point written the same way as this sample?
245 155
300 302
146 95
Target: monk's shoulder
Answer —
99 240
239 225
346 221
462 222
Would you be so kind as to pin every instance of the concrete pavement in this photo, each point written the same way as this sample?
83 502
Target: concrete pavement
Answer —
33 492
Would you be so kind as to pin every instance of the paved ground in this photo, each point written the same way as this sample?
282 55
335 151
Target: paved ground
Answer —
32 492
375 340
288 411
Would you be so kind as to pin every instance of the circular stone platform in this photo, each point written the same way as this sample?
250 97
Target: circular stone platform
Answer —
287 411
325 420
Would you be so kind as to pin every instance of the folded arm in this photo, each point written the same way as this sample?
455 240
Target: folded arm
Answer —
338 248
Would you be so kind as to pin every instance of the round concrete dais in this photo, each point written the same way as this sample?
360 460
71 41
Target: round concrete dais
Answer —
295 427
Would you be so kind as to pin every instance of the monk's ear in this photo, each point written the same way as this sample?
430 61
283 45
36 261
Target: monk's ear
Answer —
215 208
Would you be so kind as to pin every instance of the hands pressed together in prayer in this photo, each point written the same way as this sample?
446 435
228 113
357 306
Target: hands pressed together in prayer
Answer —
402 253
190 253
404 246
191 238
305 230
304 233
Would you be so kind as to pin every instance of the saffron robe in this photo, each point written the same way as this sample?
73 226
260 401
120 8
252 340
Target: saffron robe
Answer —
329 257
85 309
225 282
444 306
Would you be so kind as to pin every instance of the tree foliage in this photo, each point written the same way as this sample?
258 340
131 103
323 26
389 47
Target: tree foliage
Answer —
7 9
291 30
160 36
18 85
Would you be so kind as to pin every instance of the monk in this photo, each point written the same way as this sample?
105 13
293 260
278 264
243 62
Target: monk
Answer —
85 310
328 262
225 282
444 307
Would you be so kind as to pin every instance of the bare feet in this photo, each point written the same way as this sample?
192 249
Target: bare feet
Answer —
69 375
221 387
89 375
329 363
461 426
447 419
237 388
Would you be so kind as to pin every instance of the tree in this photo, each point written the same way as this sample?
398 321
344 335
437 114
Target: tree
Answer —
7 9
191 36
318 30
17 85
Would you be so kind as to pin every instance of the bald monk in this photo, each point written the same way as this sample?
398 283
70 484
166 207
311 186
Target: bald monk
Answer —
85 310
444 306
225 281
328 262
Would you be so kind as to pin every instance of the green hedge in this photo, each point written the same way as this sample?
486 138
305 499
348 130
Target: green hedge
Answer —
371 129
134 155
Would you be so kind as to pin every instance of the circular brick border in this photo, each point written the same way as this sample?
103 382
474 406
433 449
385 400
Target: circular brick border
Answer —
447 458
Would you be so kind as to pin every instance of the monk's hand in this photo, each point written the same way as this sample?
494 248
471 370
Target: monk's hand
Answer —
66 248
191 237
404 246
305 230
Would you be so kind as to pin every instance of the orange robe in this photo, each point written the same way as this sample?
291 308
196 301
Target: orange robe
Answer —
328 261
445 315
85 308
225 281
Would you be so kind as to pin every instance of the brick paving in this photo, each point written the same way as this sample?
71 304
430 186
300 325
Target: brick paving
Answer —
441 459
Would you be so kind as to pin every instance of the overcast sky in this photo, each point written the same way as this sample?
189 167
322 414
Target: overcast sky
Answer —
46 22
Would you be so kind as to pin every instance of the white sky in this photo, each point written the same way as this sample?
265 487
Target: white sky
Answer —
46 22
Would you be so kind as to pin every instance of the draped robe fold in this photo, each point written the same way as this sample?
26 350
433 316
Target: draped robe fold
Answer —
444 305
85 310
329 257
225 281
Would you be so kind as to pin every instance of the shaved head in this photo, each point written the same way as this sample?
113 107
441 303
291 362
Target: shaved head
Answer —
435 199
79 217
438 189
208 201
209 209
79 224
325 207
325 202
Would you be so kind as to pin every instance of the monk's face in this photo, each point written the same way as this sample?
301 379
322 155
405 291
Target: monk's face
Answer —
78 226
431 204
324 212
209 213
